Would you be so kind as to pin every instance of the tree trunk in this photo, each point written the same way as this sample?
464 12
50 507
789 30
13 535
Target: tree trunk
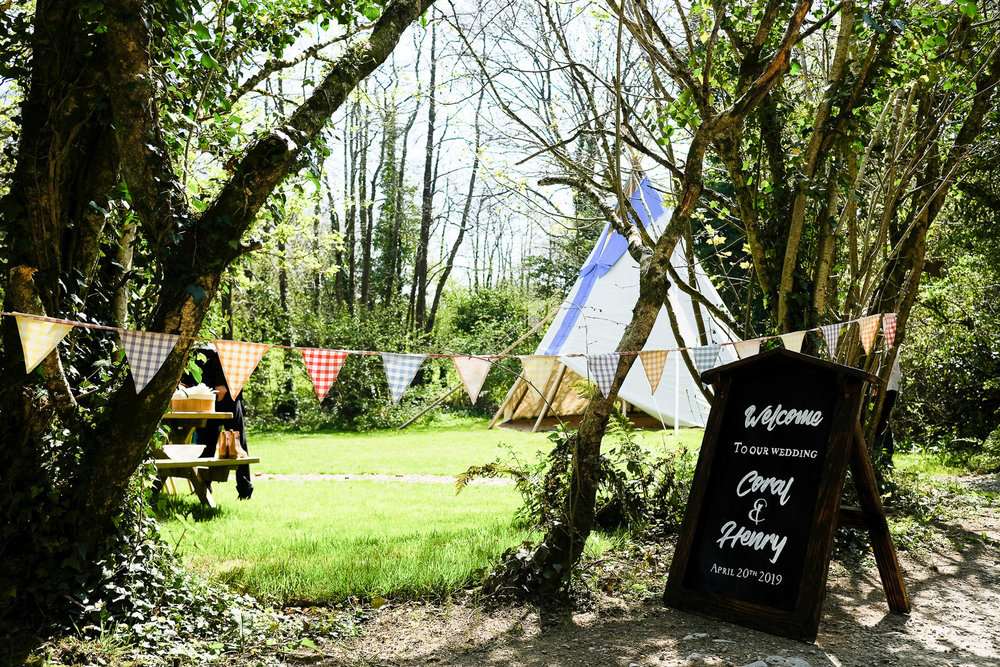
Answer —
427 201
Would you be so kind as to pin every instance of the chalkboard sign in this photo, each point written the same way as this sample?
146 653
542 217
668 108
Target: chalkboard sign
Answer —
755 543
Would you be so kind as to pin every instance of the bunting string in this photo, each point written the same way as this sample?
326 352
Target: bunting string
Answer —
146 352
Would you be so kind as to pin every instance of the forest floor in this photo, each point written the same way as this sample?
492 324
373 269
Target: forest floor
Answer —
953 580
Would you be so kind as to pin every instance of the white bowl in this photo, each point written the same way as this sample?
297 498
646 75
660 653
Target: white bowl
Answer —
183 452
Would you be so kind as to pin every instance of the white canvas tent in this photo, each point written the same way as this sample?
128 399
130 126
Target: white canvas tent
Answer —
592 319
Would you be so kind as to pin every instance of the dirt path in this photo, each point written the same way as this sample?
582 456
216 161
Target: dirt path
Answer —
954 587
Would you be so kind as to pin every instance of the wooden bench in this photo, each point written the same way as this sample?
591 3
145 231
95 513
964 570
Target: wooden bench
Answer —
201 472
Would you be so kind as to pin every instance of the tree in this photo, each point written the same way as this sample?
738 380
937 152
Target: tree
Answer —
116 95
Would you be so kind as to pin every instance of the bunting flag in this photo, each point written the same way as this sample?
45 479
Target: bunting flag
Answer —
653 362
747 348
535 370
400 370
38 338
472 371
869 325
705 357
831 334
238 360
889 328
793 341
323 367
146 351
602 368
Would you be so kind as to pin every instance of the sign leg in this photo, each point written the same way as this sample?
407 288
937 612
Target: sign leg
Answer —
878 527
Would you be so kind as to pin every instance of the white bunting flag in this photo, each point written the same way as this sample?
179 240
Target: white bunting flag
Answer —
793 341
400 369
869 327
238 361
472 371
39 338
323 367
831 334
653 362
602 368
146 351
747 348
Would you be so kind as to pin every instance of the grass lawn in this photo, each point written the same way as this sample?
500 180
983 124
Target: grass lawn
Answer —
322 542
325 541
427 450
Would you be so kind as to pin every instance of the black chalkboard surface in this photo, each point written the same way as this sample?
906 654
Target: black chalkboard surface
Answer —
755 543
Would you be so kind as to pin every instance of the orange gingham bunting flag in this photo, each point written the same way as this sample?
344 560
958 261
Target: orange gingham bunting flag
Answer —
238 361
323 367
889 328
869 325
653 362
38 338
473 372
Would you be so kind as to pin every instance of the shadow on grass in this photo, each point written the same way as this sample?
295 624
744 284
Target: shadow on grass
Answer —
170 507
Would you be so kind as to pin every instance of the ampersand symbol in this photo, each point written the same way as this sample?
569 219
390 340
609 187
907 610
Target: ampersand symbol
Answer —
758 508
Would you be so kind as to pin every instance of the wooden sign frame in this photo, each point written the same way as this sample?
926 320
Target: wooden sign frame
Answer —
786 598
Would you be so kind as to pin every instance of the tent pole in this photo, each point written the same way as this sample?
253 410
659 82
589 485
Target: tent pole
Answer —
510 394
459 385
548 399
677 396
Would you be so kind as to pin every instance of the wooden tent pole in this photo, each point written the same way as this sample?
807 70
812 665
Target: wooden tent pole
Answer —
458 386
547 400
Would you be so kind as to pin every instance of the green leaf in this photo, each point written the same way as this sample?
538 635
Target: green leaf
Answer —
795 68
201 30
208 61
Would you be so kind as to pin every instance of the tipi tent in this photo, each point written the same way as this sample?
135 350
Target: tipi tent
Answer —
592 320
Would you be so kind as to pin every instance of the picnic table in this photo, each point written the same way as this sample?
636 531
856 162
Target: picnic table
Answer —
199 471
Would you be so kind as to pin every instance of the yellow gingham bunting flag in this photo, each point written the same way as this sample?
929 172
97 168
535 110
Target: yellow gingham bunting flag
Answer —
238 361
793 341
472 371
869 325
747 348
38 338
653 362
535 369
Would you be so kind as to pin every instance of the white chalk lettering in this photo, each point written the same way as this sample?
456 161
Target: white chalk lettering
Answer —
734 535
753 482
772 416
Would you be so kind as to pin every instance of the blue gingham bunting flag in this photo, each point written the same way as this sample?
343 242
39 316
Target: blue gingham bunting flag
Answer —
602 368
705 357
146 351
399 371
831 333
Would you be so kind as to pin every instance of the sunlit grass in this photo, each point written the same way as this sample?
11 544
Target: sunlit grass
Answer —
328 541
315 542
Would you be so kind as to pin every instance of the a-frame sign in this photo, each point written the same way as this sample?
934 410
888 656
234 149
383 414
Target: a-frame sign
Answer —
755 543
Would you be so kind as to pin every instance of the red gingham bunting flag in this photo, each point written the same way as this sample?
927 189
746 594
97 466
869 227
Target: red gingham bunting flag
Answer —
889 328
146 351
869 325
653 362
323 367
238 361
793 341
38 338
472 371
747 348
